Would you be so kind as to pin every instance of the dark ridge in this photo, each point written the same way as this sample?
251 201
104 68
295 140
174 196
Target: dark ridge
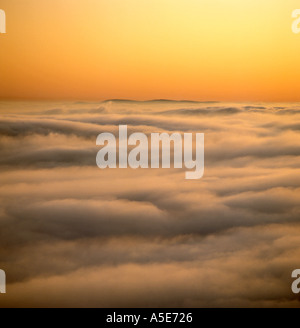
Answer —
159 100
201 111
119 100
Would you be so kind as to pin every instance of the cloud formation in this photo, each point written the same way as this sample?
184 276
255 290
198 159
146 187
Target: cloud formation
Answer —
149 237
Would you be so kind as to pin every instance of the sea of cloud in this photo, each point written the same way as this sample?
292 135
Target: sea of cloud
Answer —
74 235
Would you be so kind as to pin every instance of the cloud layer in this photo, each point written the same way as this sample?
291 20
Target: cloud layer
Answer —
74 235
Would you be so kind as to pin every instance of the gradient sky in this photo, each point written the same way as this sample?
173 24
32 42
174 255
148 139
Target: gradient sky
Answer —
144 49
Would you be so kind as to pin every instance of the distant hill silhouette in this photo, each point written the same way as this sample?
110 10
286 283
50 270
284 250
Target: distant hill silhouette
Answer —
159 100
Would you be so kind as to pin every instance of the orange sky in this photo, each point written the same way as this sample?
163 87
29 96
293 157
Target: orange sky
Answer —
144 49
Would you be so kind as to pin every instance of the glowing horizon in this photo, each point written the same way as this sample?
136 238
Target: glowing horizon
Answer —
216 50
